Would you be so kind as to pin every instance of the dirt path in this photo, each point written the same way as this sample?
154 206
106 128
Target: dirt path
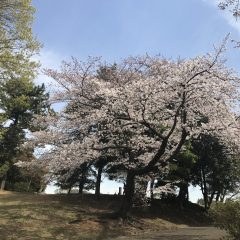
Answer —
189 233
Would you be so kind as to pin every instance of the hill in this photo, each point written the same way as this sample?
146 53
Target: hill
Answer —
29 216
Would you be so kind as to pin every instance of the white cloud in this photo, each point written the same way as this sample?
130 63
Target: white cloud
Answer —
47 59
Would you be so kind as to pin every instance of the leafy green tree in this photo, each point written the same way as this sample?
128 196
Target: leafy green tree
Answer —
217 170
20 99
17 43
181 171
80 177
102 165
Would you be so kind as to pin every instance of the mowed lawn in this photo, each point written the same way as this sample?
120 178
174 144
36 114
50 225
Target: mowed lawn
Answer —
29 216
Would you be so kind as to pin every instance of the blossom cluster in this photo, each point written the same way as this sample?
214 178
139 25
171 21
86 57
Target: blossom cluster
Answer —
142 111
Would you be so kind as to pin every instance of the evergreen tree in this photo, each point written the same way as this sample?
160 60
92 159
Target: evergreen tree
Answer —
217 169
20 99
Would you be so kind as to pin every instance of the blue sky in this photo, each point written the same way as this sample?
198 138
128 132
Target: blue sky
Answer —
115 29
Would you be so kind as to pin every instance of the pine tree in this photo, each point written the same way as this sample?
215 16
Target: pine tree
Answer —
20 99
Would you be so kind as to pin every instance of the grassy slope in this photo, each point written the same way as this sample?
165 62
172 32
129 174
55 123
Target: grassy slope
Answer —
26 216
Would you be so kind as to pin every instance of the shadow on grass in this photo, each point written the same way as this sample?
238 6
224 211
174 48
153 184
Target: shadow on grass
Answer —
26 216
192 214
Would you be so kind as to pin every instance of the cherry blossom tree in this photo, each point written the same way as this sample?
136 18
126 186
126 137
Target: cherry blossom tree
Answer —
142 113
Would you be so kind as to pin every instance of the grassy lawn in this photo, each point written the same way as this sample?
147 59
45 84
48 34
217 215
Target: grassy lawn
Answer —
28 216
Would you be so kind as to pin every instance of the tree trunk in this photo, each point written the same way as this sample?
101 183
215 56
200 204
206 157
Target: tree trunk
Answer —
81 186
218 196
204 188
42 188
183 195
211 199
69 190
205 198
128 197
98 181
3 183
151 189
222 197
29 184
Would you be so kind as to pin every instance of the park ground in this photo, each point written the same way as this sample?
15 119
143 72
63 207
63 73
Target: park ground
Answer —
67 217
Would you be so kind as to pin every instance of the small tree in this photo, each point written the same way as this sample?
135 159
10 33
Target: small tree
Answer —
20 99
217 170
79 177
180 172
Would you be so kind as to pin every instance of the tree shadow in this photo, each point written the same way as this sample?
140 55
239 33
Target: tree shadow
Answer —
192 214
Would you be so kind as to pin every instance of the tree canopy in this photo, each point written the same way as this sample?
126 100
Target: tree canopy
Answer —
145 110
17 43
20 98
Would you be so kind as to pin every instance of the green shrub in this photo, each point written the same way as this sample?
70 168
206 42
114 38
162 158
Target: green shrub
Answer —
227 216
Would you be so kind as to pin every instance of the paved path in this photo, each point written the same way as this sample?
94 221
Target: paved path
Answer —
189 233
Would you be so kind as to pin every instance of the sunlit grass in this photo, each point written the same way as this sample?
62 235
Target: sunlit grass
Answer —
63 217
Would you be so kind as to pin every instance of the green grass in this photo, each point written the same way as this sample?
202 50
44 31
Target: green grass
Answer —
30 217
26 216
